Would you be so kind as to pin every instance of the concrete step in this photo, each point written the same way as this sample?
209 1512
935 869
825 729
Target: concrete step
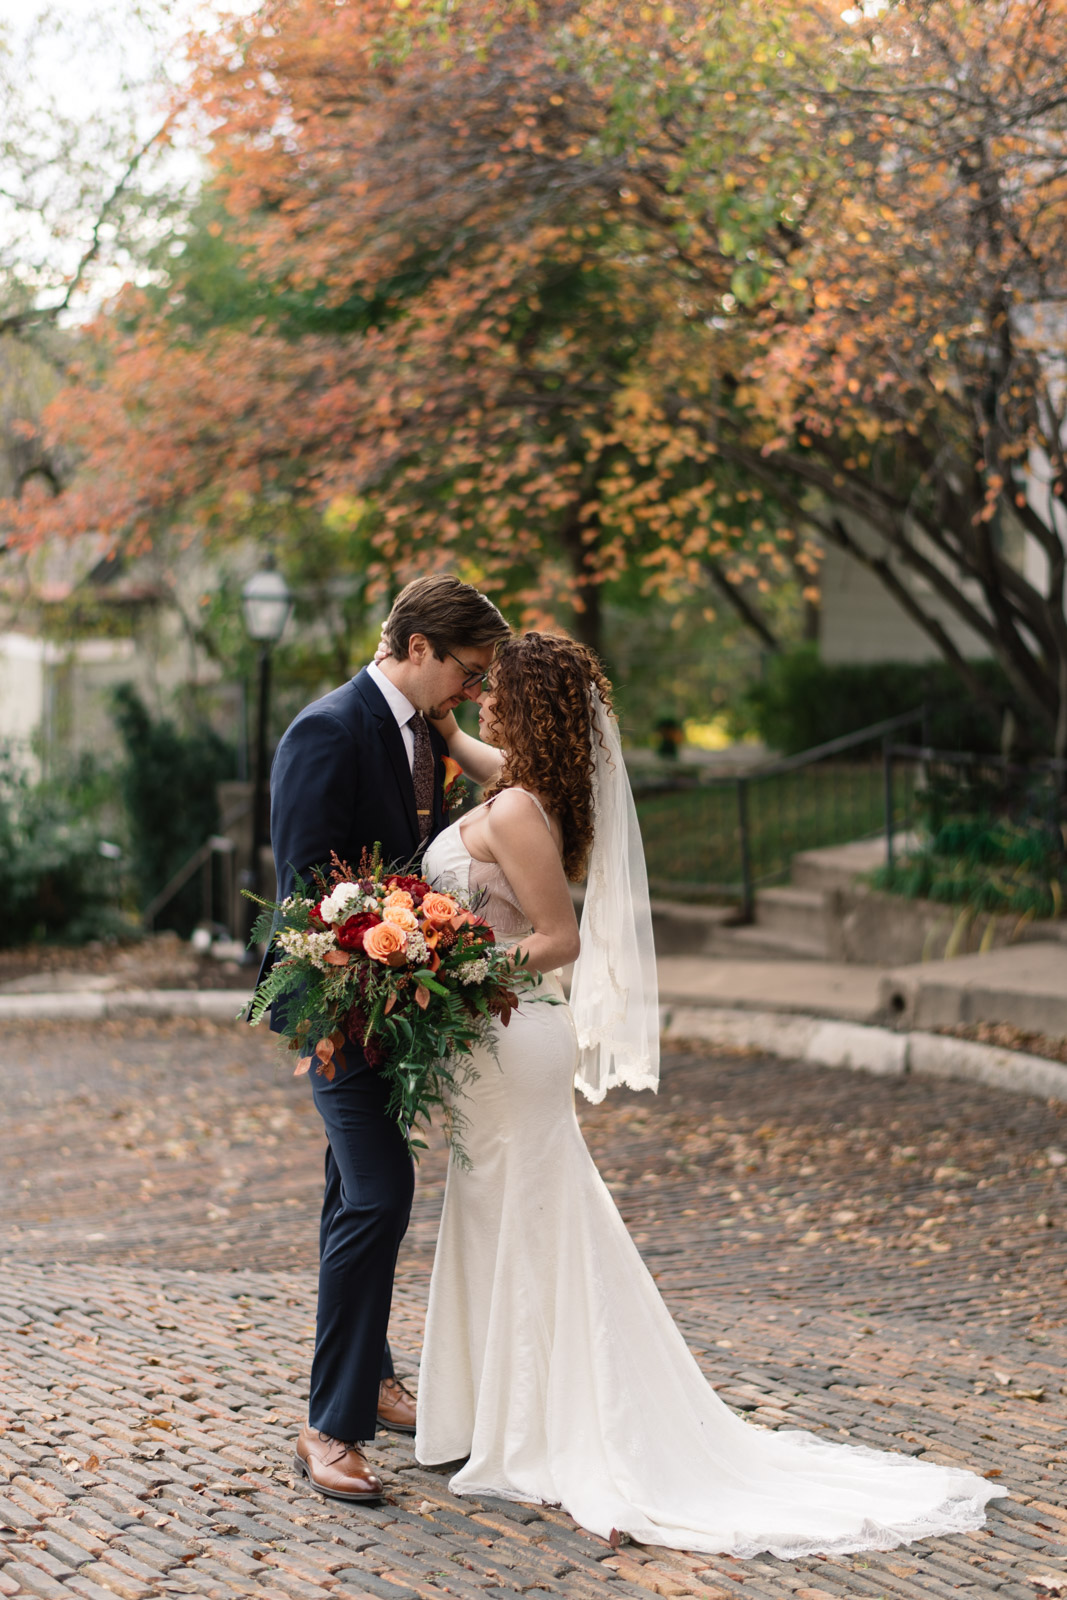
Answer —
836 866
793 913
823 989
1025 985
755 943
682 930
801 932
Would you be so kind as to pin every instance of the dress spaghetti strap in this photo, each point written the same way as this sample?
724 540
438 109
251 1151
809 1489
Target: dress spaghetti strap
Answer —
517 790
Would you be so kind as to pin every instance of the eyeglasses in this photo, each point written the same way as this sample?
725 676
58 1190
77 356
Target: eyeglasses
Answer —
476 677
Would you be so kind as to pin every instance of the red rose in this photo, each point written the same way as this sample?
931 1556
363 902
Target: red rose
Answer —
416 887
350 935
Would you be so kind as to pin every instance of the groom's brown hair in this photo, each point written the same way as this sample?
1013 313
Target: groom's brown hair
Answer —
447 612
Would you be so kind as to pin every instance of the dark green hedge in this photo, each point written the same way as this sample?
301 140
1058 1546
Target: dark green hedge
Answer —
54 882
169 788
994 842
803 701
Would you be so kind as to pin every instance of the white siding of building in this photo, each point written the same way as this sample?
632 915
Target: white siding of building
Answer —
55 699
861 621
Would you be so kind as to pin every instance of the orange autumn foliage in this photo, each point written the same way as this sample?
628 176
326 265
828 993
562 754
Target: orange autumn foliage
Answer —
662 289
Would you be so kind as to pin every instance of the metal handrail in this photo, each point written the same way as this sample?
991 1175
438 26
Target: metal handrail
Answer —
783 764
741 783
836 747
217 844
965 758
925 753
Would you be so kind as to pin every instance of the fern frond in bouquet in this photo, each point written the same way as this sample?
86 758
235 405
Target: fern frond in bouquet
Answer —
413 977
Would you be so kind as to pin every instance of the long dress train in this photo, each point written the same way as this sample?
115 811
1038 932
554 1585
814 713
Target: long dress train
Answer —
552 1365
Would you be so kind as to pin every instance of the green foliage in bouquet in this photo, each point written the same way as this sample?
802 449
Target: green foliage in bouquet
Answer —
410 976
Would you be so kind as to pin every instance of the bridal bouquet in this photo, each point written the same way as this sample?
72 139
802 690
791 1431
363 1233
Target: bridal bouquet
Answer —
382 958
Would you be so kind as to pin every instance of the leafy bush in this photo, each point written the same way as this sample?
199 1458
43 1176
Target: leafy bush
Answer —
996 844
803 701
54 881
168 785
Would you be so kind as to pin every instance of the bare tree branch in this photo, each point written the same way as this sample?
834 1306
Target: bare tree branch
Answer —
749 613
16 321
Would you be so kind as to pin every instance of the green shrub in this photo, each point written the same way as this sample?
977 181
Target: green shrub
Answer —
168 786
54 881
996 844
803 701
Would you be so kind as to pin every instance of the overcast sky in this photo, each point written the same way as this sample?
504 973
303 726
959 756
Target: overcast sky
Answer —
87 81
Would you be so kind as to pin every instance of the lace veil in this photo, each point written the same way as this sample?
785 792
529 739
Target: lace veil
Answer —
614 994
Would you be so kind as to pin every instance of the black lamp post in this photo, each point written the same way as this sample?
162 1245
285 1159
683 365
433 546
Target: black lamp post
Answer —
266 603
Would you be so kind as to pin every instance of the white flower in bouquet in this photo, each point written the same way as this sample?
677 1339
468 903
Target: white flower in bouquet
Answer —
411 974
343 902
307 944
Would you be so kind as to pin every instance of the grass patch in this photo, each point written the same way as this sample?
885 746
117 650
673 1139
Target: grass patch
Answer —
692 837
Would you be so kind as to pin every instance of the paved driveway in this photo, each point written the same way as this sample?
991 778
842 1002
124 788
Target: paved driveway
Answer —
877 1259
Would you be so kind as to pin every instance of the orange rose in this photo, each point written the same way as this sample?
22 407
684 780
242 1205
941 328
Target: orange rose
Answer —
398 897
438 907
384 943
401 917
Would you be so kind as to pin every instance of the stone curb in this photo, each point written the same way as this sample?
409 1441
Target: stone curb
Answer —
820 1041
824 1043
79 1005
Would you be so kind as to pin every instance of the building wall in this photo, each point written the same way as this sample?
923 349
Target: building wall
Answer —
55 699
22 694
862 622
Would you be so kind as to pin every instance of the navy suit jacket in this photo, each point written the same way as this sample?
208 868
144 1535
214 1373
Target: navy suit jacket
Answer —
341 781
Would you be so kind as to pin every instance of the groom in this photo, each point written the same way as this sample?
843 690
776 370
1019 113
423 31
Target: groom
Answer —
358 767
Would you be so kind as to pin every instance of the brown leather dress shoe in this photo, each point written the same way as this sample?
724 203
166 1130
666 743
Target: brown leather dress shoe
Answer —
396 1407
335 1469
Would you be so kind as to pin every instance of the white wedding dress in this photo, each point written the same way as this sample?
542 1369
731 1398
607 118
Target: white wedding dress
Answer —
552 1365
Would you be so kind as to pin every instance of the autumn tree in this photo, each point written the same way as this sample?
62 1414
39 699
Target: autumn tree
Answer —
84 186
655 288
902 377
426 342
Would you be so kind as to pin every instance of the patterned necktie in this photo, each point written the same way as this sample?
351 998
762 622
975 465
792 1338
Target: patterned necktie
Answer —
422 773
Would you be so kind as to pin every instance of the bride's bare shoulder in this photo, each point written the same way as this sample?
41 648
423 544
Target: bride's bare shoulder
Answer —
516 803
521 810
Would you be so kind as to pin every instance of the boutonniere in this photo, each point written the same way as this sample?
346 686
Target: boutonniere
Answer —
455 787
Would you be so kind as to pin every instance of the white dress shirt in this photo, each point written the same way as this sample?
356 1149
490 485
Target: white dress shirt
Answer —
400 706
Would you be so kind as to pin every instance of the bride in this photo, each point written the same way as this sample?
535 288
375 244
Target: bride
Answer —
551 1366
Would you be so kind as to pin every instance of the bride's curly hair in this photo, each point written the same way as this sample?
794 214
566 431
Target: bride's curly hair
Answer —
542 684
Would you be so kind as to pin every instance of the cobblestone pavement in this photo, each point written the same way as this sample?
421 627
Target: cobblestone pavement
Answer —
880 1260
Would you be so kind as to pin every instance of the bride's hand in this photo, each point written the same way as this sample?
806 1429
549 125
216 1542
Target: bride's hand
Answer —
383 649
447 726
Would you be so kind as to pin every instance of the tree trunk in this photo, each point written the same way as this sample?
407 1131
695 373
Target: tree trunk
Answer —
589 619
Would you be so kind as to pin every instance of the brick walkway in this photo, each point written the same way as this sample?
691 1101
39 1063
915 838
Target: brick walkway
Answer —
876 1259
